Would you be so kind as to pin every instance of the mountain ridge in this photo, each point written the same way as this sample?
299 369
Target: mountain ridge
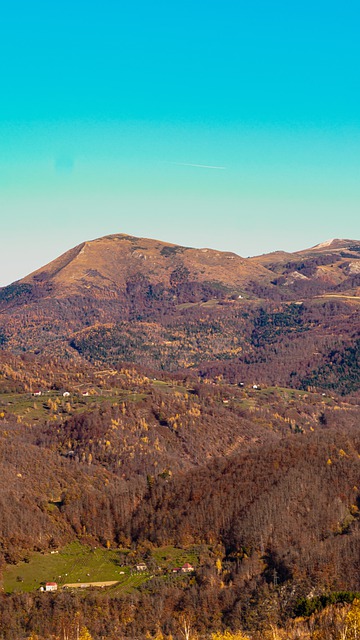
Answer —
57 265
125 299
109 260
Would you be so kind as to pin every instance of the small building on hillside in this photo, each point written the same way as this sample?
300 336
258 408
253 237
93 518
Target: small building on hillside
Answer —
66 394
141 566
187 568
51 586
37 393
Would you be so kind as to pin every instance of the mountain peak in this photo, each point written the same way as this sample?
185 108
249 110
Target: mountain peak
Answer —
108 263
327 243
335 244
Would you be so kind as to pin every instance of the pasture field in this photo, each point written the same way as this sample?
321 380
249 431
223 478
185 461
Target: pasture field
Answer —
77 563
74 563
29 409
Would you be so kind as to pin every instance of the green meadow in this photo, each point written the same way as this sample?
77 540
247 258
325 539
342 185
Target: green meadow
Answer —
77 563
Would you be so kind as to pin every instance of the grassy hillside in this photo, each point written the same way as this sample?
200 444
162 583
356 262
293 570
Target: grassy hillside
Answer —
81 564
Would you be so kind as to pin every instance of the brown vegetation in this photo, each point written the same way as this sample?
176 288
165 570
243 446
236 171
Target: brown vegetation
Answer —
192 416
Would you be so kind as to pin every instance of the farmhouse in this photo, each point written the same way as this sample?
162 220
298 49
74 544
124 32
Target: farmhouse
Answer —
187 568
141 566
51 586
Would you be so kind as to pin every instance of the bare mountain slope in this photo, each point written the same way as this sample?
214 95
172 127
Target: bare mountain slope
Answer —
334 244
105 265
327 267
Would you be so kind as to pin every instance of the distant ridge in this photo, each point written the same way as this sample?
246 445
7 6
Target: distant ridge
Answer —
126 299
332 244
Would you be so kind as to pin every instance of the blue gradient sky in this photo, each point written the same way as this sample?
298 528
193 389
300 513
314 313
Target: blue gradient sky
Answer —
105 105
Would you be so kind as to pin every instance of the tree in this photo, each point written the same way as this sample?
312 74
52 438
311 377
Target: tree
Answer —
352 622
229 635
84 634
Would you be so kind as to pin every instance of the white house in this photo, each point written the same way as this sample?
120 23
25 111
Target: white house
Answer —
187 568
51 586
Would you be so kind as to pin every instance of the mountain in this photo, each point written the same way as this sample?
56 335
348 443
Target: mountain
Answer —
284 318
326 267
334 244
169 405
116 279
106 265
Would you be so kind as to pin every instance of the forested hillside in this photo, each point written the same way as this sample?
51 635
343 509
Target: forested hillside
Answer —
186 434
261 483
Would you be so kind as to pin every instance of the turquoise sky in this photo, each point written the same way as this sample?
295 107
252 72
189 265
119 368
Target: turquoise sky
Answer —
108 108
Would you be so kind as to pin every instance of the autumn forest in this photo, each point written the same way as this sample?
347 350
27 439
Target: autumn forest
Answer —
180 445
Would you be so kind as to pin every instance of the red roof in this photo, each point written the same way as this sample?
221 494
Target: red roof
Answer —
51 584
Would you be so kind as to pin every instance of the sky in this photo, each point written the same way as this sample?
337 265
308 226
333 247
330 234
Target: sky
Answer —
226 124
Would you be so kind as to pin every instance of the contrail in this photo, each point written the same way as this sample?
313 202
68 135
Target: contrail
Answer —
201 166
